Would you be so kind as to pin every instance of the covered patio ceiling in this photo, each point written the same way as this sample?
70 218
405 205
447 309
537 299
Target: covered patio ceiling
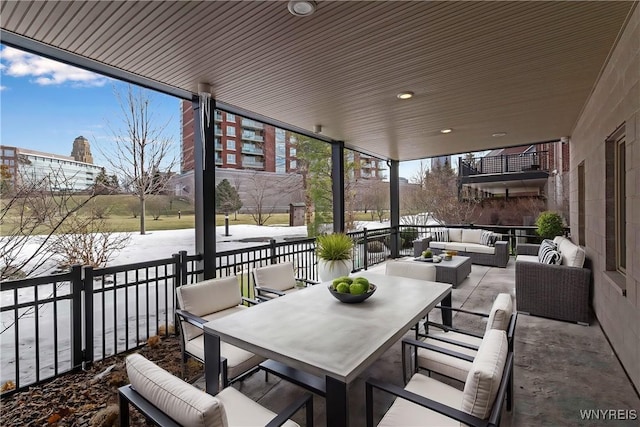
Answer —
479 68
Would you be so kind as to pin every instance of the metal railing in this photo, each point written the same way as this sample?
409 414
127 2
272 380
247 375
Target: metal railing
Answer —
525 162
57 323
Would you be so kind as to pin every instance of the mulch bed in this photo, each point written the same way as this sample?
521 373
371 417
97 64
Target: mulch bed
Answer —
87 398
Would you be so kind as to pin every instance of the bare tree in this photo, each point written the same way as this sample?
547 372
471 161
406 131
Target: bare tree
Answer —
142 154
88 244
436 196
263 195
42 216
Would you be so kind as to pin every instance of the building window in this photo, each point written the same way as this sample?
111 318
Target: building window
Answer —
231 117
293 164
621 207
231 158
616 202
231 131
581 202
231 144
292 152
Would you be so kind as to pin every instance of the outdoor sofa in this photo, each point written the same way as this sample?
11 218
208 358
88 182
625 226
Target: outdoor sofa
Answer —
482 246
556 291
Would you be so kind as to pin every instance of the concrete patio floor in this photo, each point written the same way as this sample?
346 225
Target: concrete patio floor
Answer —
560 370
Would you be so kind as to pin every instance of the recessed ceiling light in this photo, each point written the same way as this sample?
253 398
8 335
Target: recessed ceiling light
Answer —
499 134
302 7
405 95
446 130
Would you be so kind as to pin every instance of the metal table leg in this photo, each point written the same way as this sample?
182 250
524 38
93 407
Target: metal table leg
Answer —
337 404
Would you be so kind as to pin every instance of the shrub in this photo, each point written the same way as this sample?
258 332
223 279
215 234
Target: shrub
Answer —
407 236
334 247
549 225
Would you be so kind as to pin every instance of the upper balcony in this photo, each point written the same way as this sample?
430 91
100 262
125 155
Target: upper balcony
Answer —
252 136
510 174
248 123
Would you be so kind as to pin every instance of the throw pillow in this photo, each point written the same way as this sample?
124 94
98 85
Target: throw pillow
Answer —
441 235
552 257
546 246
485 238
493 239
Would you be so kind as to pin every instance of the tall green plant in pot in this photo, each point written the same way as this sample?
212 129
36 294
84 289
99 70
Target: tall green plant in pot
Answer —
334 256
549 225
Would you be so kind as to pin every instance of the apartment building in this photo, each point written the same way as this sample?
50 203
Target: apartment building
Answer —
246 144
65 173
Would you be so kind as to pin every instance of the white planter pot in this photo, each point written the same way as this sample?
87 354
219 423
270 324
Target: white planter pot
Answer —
329 270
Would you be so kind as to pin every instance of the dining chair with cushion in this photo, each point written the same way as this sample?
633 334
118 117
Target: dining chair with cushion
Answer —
501 317
166 400
276 280
425 401
205 301
411 270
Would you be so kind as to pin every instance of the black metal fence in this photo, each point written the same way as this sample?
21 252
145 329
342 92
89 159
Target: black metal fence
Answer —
58 323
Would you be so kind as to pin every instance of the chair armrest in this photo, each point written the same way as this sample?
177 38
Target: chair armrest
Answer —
461 310
421 344
445 339
250 301
395 390
282 417
307 281
448 329
192 319
261 289
527 248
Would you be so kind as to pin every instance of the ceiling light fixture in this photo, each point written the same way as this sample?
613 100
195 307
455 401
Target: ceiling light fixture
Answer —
446 130
405 95
499 134
302 7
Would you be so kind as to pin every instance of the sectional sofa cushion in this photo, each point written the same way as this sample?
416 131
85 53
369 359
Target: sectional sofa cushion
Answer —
572 254
471 235
455 234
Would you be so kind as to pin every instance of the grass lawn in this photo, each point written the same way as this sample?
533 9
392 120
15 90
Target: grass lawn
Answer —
118 210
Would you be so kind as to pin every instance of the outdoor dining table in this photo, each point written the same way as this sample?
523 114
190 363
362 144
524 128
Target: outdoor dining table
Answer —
312 331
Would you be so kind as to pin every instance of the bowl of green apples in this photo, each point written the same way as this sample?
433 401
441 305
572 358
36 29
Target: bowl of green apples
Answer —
351 290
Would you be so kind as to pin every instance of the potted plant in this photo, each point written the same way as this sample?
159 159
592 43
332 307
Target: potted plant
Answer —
549 225
334 256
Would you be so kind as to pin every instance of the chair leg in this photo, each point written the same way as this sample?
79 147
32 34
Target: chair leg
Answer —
124 411
225 374
404 364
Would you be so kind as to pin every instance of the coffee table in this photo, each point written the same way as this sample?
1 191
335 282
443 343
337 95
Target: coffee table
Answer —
454 271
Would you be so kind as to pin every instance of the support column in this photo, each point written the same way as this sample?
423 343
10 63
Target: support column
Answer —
337 179
394 201
205 184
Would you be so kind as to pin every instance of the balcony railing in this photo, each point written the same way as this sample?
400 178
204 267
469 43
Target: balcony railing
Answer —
252 150
252 124
248 162
510 163
252 137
